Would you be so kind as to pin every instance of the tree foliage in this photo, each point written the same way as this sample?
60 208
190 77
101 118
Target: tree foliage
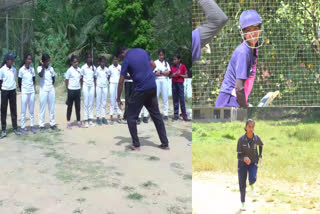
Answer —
128 23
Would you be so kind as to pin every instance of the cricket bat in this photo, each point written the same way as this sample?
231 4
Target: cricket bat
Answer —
267 100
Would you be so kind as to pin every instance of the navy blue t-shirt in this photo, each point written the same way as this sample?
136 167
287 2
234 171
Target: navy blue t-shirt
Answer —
137 64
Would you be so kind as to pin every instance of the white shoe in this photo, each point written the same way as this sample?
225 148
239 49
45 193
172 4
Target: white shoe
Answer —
86 124
91 123
253 192
243 207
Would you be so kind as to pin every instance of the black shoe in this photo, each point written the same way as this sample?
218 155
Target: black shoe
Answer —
54 127
175 119
165 118
4 134
145 119
42 129
164 147
186 119
134 148
138 121
17 132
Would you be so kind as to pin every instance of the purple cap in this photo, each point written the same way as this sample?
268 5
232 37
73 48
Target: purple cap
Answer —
249 18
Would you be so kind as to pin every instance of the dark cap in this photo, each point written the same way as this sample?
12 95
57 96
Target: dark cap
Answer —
9 56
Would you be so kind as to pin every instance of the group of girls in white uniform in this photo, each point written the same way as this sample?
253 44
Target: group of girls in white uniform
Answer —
96 83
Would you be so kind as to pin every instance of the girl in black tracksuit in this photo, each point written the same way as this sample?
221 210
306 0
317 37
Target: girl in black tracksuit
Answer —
248 158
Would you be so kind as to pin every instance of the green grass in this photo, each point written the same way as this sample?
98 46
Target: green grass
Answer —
290 153
149 184
135 196
153 158
30 210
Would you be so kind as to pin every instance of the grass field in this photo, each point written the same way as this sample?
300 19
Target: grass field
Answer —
290 173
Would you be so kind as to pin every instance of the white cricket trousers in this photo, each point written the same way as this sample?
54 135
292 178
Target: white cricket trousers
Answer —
144 111
101 102
163 88
113 99
88 99
27 101
47 98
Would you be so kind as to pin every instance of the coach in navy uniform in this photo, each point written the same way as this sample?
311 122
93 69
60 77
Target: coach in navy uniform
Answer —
140 66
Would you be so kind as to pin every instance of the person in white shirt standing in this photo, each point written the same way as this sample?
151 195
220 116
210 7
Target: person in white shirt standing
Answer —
162 72
73 81
102 85
88 71
114 72
8 76
26 83
145 113
129 89
47 94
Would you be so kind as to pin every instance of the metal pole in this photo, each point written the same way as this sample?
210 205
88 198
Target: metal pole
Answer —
33 35
22 36
7 30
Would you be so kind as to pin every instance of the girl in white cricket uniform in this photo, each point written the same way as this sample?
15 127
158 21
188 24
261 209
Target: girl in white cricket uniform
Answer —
145 113
73 84
26 82
162 72
8 75
88 71
114 72
102 74
47 94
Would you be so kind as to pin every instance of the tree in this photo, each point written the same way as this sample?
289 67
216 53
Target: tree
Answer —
172 28
128 23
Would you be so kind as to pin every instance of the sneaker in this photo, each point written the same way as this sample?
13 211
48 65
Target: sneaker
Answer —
99 122
42 129
33 130
175 119
138 121
86 124
24 131
145 119
69 125
91 123
253 192
54 128
165 118
104 121
243 207
119 120
4 134
186 119
80 124
164 147
17 132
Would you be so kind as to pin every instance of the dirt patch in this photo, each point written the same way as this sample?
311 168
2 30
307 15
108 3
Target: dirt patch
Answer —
85 170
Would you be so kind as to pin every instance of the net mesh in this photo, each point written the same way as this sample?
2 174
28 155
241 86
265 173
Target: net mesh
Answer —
17 28
289 60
